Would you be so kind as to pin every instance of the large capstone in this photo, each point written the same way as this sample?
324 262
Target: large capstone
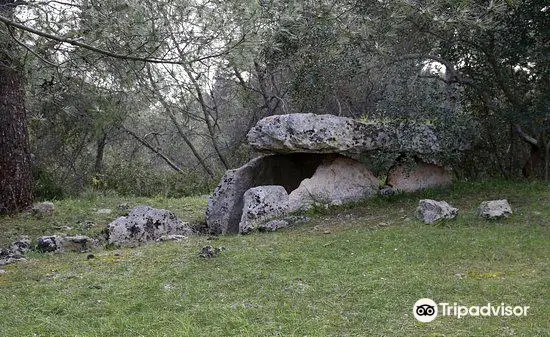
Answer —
225 206
145 224
311 133
338 180
316 134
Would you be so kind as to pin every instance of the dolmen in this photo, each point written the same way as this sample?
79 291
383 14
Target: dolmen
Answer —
308 160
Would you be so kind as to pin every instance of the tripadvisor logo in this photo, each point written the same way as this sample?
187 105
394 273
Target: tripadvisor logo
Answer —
426 310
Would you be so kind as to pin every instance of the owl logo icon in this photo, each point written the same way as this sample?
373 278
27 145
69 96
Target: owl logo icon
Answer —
425 310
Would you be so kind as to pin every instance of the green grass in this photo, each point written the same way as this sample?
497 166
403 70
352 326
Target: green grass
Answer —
350 271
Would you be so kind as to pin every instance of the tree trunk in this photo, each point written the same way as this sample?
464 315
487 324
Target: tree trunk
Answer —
532 167
98 165
15 163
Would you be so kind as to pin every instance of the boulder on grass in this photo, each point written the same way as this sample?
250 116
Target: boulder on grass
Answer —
262 203
430 211
43 208
495 209
145 224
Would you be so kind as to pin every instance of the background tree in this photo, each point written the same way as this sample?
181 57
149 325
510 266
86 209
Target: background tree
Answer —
15 159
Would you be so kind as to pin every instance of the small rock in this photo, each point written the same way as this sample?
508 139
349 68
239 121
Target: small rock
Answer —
47 244
104 211
56 243
273 225
495 209
43 208
21 246
2 271
431 211
176 238
90 257
386 191
11 258
210 252
77 243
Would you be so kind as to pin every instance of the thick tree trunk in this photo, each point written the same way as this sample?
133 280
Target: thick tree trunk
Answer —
15 164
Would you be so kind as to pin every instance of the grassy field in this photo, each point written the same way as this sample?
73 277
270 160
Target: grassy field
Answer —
350 271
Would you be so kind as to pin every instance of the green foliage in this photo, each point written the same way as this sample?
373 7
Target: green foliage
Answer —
138 180
45 186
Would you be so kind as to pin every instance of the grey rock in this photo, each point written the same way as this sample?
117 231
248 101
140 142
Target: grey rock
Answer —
313 133
62 243
430 211
43 208
87 225
48 244
9 257
262 203
210 252
317 134
21 246
104 211
2 271
77 243
225 206
273 225
337 181
387 191
418 177
145 224
495 209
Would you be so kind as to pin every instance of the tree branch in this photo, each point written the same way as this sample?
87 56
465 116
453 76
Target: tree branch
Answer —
525 137
29 49
155 150
76 43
